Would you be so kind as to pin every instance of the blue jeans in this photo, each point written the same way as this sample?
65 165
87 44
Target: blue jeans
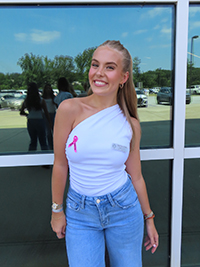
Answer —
114 220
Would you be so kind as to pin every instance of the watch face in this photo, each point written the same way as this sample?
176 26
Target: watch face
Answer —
54 206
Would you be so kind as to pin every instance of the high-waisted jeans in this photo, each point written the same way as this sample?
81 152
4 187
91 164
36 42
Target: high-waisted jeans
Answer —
114 220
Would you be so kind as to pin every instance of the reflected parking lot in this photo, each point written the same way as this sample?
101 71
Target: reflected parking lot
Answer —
155 122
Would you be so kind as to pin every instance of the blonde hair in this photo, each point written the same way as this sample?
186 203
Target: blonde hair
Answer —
126 96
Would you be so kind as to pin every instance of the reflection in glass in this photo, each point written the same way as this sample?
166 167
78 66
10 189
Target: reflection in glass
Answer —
157 175
48 42
192 128
26 196
191 215
26 237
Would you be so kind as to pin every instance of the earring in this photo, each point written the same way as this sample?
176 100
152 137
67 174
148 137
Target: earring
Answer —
121 85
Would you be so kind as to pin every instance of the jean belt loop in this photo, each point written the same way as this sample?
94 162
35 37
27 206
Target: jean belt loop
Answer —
82 201
111 200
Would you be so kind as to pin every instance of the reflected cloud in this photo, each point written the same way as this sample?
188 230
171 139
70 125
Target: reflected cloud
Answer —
166 30
194 25
38 36
193 11
154 12
20 37
140 32
124 34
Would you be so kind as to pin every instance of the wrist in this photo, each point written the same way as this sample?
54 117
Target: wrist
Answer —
56 208
149 216
57 216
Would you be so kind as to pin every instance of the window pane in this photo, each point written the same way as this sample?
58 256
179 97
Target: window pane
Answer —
43 43
191 215
192 135
157 175
26 237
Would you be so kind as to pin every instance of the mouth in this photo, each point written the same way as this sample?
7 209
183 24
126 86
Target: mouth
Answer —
99 83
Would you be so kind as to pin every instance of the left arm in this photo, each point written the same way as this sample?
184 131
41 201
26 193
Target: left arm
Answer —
44 107
133 167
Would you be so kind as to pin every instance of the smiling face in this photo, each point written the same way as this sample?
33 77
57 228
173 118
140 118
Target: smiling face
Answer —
106 72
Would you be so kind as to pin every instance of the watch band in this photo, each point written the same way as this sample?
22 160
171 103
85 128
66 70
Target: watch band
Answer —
56 206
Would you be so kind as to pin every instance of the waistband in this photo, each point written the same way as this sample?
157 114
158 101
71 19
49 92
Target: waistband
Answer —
110 196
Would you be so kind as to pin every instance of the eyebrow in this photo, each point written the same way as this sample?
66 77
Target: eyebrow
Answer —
107 63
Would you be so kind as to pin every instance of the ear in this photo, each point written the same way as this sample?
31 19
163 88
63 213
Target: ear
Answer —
125 77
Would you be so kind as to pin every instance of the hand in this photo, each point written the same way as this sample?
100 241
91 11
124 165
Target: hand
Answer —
152 238
58 224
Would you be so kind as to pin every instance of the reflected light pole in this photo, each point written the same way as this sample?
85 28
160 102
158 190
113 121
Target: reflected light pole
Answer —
191 58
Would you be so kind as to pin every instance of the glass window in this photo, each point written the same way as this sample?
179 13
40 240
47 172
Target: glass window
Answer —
191 215
157 175
27 238
192 134
43 43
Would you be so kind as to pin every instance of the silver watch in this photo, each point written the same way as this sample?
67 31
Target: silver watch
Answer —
56 206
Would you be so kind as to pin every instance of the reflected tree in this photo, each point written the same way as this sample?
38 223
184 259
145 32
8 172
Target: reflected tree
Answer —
33 68
83 62
136 70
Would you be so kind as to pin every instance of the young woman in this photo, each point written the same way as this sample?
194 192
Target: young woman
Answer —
98 137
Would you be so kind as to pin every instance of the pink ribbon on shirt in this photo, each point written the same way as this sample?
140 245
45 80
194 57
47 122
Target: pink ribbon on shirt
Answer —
75 139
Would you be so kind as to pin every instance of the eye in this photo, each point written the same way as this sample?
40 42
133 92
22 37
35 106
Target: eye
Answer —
110 67
95 65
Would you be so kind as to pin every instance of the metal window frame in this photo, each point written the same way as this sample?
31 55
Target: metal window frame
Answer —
178 153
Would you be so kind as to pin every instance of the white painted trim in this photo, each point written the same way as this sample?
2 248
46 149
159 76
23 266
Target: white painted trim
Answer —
192 152
26 160
42 159
182 11
87 2
157 154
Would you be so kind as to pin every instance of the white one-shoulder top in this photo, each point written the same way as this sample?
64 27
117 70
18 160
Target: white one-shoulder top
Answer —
97 149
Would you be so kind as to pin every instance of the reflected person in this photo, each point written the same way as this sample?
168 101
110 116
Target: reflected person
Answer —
49 97
37 109
64 90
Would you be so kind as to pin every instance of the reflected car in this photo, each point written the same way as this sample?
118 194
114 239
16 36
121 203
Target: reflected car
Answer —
142 99
154 90
195 89
78 92
165 96
4 100
16 103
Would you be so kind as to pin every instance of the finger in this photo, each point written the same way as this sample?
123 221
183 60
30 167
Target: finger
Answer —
148 247
155 244
63 230
147 242
60 236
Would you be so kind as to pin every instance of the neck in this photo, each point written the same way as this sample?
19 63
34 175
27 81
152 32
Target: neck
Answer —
100 102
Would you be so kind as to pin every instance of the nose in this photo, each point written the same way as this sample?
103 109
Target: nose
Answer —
100 71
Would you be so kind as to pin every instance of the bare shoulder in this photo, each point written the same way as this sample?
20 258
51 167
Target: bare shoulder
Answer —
69 105
136 124
73 110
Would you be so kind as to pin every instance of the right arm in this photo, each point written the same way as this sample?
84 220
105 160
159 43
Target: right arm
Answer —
63 125
22 109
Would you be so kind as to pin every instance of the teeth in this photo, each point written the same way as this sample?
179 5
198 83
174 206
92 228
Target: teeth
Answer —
99 83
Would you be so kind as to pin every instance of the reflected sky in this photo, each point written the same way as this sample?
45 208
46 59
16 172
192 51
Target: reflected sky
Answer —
146 31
